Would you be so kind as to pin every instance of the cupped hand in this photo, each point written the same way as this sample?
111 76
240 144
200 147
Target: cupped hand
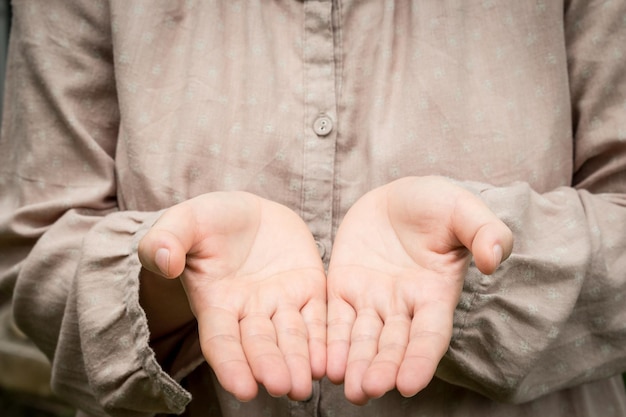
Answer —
255 283
396 273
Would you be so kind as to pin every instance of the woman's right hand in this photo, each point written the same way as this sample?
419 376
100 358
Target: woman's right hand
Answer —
256 284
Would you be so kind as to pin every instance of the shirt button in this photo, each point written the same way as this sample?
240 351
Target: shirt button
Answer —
321 248
323 125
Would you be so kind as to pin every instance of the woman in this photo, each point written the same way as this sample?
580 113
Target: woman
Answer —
429 121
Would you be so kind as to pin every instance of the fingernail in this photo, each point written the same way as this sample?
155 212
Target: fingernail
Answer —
497 255
162 260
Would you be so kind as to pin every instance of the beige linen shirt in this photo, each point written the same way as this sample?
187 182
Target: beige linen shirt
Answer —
116 110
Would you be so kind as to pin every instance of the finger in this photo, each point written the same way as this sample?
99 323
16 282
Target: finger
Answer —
291 334
481 231
341 318
363 348
221 346
164 248
314 315
382 372
431 330
260 344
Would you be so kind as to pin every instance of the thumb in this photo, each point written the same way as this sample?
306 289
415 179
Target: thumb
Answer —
163 250
489 240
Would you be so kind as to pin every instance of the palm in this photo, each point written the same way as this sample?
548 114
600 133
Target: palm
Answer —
256 285
395 277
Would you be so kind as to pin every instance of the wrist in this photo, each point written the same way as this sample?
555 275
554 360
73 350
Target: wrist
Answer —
164 302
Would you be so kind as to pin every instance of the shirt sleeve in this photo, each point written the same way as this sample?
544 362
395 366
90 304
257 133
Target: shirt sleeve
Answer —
554 314
68 252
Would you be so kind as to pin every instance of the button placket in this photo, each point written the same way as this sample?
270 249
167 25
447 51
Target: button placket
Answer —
320 121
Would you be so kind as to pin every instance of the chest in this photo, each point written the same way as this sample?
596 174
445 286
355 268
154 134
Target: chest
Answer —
228 97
